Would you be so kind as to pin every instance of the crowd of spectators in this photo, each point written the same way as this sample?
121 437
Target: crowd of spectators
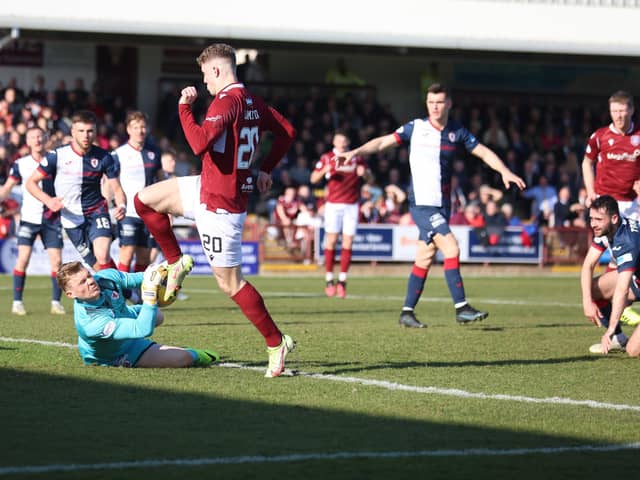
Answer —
544 144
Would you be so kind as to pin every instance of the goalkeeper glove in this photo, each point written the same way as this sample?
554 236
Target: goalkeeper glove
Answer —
154 275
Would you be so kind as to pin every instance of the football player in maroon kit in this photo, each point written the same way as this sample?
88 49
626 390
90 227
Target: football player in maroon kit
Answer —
340 210
614 150
217 199
285 214
611 166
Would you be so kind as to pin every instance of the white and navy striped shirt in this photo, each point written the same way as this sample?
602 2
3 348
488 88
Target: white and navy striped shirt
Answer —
431 155
77 178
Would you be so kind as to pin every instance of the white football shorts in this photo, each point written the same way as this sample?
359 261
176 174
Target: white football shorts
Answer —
341 218
220 231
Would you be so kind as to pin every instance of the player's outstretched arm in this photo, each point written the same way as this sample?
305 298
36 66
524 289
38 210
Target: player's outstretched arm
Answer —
375 145
489 157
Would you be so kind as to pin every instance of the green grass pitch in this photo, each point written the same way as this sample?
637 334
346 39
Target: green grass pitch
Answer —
516 396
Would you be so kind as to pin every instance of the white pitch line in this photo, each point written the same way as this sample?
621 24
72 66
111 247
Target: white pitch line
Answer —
38 342
302 457
393 386
452 392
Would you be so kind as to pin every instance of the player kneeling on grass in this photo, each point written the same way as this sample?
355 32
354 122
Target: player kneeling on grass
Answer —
112 333
605 297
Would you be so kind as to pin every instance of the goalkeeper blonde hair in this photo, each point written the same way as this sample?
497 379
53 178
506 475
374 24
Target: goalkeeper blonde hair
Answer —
67 271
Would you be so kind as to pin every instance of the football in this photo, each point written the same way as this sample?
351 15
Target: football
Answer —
162 289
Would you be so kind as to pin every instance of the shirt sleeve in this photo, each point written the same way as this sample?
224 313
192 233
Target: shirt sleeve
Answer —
133 280
319 164
626 258
599 243
48 164
283 136
15 172
403 133
111 165
593 147
468 139
123 279
219 116
102 324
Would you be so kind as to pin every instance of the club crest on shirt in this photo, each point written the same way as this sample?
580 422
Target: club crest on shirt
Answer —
452 137
151 155
94 162
635 140
115 295
610 141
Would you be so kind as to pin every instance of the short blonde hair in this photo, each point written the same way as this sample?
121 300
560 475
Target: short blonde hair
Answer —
621 97
218 50
66 271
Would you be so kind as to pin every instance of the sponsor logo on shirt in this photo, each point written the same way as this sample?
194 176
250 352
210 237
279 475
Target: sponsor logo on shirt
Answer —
247 186
629 157
109 328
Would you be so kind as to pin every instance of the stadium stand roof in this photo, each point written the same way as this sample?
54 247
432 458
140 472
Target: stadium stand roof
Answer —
591 27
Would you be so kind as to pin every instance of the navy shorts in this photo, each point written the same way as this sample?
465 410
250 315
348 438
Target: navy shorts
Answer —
133 232
50 233
430 220
95 226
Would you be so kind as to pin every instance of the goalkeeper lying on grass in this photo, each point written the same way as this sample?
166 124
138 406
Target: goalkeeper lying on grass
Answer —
112 333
